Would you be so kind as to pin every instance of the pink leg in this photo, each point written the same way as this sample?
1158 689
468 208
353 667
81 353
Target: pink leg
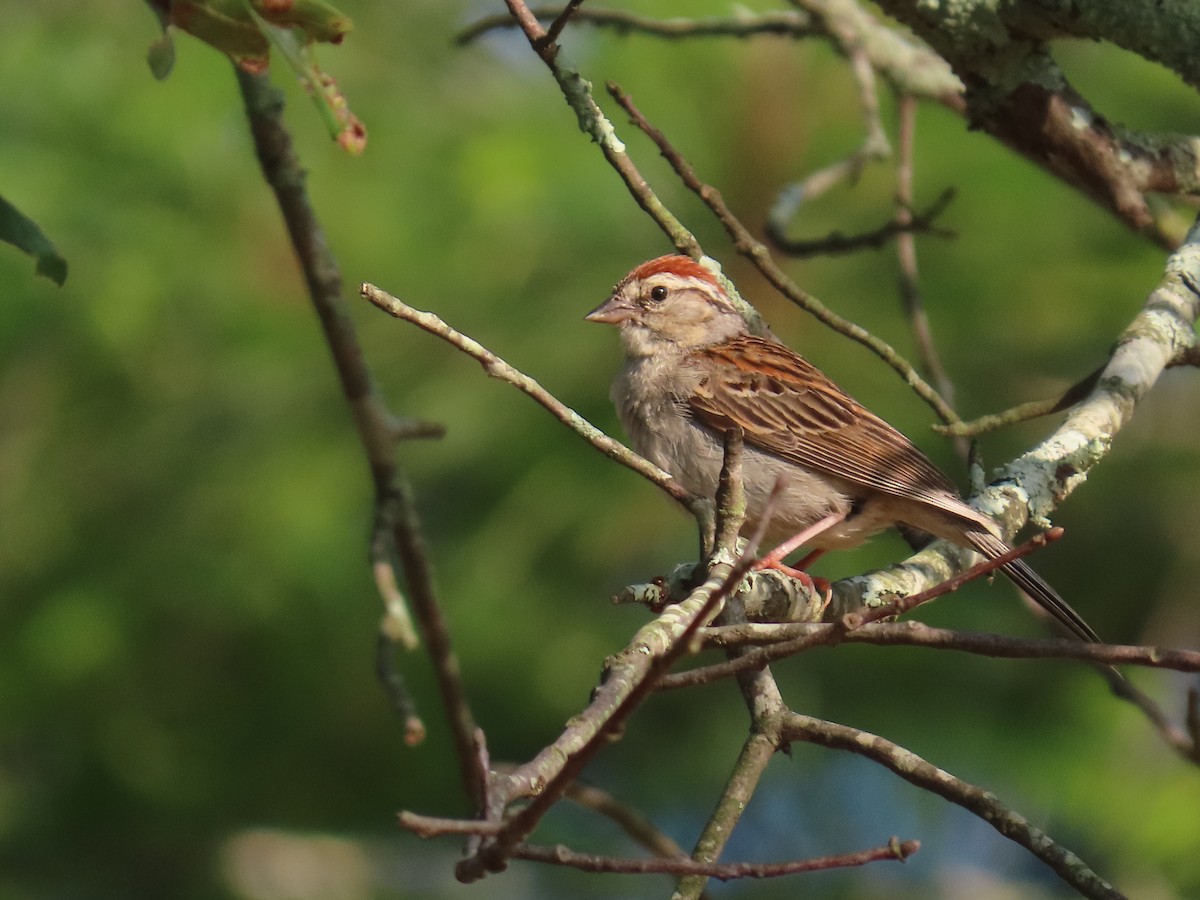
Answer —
809 560
774 559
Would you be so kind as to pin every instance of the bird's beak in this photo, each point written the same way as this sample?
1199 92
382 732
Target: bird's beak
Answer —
612 311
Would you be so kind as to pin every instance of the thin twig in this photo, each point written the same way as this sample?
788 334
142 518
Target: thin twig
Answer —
900 227
764 702
783 23
743 780
1173 735
875 147
396 625
757 659
496 367
899 607
628 679
633 823
906 258
757 253
560 21
436 826
577 91
396 689
560 855
918 634
1024 412
928 777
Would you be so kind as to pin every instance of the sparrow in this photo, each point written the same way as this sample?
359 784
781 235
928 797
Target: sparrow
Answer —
693 371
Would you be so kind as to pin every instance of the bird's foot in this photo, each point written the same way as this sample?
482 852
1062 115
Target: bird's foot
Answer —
820 586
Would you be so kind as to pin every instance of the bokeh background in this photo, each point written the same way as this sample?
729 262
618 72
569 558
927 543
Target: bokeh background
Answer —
187 700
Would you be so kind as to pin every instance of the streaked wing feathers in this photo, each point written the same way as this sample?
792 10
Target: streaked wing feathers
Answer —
789 407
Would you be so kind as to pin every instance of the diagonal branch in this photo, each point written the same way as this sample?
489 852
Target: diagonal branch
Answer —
915 770
498 368
378 430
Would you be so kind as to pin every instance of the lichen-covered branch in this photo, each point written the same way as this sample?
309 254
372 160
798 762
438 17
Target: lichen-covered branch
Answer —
1030 487
1017 92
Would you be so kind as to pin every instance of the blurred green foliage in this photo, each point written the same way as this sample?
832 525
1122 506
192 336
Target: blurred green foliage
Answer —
186 673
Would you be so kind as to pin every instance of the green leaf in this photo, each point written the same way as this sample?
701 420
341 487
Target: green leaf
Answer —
247 30
24 234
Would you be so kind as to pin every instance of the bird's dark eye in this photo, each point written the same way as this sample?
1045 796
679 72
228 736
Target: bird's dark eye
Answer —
658 293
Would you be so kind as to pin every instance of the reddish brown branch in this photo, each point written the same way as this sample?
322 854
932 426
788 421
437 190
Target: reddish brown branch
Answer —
918 634
560 855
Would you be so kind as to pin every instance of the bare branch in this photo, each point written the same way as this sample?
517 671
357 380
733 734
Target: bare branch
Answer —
397 691
578 93
633 823
560 855
378 429
628 678
739 788
1020 95
906 257
1024 412
560 21
874 148
434 826
903 225
902 605
496 367
915 770
918 634
783 23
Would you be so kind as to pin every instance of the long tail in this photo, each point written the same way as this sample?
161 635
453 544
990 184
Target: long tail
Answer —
1032 584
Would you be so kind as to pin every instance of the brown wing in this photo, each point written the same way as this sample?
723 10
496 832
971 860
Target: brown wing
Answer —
789 407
